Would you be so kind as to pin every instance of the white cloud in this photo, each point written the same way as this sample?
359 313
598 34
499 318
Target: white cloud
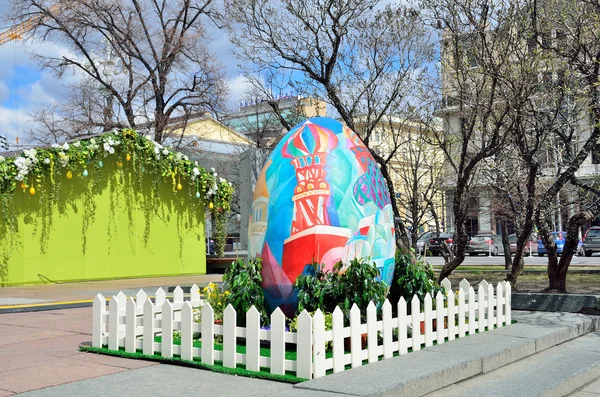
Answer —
13 122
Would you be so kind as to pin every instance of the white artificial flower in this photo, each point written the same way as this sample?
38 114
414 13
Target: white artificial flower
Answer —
165 152
148 137
2 158
196 171
111 150
157 150
110 141
179 156
65 146
186 158
230 184
77 144
116 143
93 141
106 146
212 169
19 177
221 180
46 160
214 173
55 145
196 163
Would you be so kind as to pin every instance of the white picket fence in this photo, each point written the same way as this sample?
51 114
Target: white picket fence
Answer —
133 323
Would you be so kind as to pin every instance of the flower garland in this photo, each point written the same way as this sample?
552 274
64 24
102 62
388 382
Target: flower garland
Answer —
32 169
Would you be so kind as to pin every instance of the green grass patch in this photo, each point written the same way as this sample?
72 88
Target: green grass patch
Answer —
240 370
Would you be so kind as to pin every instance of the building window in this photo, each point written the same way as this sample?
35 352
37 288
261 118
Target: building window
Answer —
596 154
376 138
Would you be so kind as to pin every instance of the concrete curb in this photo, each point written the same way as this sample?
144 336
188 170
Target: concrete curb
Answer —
571 303
439 366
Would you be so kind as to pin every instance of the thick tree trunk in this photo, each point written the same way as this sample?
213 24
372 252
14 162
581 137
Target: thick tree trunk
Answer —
506 245
557 271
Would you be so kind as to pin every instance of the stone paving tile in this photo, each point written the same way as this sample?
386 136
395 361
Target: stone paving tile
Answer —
62 346
593 387
110 360
19 381
6 393
583 394
14 334
16 361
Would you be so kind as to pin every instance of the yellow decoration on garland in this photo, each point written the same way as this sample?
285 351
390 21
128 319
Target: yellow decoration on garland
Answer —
32 191
69 175
128 157
23 186
179 187
211 206
119 164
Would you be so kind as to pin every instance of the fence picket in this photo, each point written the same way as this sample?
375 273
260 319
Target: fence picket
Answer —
122 298
130 326
166 349
415 307
388 326
187 334
462 327
148 344
98 324
440 313
229 336
508 304
372 352
160 297
194 294
500 304
355 336
140 298
113 323
253 339
447 285
304 346
490 302
278 342
451 316
482 306
402 327
208 334
472 323
464 286
177 295
337 329
428 318
319 344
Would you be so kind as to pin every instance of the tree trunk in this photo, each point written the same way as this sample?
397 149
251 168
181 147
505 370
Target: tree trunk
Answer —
506 245
557 271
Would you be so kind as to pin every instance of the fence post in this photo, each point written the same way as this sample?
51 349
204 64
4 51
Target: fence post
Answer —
500 304
140 298
491 316
482 305
166 349
304 346
388 326
402 327
447 285
98 324
415 313
130 325
451 316
355 337
472 324
208 334
194 295
337 330
113 323
187 334
229 337
462 327
278 342
160 297
253 339
319 343
508 303
439 311
177 295
372 353
148 343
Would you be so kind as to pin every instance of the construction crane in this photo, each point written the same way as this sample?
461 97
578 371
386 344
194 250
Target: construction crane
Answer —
16 32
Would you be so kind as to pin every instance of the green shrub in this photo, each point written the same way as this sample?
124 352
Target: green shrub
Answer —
244 285
357 283
412 277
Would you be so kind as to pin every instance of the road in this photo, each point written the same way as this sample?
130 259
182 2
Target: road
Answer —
499 261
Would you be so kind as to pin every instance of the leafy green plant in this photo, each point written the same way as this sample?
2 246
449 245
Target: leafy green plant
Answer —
412 278
244 285
355 283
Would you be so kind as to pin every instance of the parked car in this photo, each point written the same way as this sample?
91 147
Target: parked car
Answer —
531 245
423 238
435 241
485 243
591 241
558 238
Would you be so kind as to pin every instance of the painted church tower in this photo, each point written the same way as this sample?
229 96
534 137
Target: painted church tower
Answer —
308 149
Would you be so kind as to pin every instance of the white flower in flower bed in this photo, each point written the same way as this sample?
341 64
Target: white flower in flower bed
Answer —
65 146
2 158
46 160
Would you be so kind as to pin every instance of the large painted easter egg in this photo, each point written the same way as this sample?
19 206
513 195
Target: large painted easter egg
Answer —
319 198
